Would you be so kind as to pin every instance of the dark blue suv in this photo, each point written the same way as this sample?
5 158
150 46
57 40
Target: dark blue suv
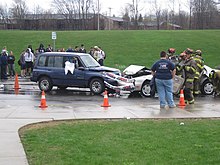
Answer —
64 69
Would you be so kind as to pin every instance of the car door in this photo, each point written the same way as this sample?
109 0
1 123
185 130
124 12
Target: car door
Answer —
56 70
75 76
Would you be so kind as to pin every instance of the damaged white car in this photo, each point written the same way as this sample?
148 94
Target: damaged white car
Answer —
143 76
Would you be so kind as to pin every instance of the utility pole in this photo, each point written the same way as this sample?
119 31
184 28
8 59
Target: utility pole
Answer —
109 28
98 15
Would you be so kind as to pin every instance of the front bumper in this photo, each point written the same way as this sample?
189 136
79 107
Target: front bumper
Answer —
119 83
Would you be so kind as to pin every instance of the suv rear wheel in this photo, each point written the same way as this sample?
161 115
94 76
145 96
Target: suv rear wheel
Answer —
45 84
97 86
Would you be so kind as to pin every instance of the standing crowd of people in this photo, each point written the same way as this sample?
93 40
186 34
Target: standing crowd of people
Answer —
189 65
7 60
96 52
28 56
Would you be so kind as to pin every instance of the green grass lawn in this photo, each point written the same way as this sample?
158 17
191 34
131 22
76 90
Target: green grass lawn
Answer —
122 47
123 142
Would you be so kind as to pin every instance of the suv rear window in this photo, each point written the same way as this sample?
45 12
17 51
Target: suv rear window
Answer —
55 61
42 61
51 61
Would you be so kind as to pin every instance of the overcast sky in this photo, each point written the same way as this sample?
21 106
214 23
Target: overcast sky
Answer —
115 5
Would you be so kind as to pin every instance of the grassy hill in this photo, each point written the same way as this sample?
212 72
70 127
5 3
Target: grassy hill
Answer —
122 47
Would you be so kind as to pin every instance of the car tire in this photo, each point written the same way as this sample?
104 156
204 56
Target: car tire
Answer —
146 89
45 84
97 86
207 88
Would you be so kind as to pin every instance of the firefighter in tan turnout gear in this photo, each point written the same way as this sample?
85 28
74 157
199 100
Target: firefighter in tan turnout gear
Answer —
215 79
188 65
199 68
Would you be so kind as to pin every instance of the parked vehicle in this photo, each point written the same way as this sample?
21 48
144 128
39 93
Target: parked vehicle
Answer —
142 76
65 69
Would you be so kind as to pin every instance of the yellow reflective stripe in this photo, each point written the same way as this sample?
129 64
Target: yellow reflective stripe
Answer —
197 73
193 69
197 92
192 101
188 69
178 68
199 65
189 80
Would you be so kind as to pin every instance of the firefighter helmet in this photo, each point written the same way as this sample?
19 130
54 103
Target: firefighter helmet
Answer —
182 54
198 52
189 51
171 50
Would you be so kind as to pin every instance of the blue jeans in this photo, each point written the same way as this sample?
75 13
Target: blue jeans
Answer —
165 92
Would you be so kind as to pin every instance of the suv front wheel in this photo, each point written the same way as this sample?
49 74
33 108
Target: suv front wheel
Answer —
97 86
45 84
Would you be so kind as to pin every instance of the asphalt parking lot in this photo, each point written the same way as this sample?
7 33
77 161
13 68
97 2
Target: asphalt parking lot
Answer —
19 108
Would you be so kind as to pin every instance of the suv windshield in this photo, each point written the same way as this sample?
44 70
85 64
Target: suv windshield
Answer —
89 61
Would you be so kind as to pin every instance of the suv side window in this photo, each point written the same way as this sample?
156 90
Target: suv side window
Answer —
50 61
58 62
73 59
68 58
42 61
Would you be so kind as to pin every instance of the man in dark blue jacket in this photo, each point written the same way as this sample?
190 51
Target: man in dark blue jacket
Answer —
164 71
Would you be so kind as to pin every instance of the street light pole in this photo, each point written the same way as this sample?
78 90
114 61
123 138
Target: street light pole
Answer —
109 28
98 14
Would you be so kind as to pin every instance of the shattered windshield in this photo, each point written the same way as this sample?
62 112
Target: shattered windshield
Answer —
89 61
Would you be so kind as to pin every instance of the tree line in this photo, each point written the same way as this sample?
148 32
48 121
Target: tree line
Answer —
193 14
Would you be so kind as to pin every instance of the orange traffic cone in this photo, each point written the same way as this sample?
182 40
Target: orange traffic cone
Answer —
16 91
16 85
43 103
105 101
182 100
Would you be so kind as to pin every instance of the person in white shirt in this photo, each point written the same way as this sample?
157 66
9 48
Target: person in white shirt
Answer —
99 55
29 59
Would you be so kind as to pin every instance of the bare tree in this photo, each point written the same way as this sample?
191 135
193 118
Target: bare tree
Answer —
65 7
135 9
165 17
171 5
189 4
125 12
74 10
182 18
4 15
157 10
19 10
85 7
203 12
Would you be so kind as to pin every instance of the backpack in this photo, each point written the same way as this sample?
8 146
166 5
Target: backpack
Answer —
19 62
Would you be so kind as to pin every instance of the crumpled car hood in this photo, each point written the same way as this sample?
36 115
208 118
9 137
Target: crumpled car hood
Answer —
133 69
